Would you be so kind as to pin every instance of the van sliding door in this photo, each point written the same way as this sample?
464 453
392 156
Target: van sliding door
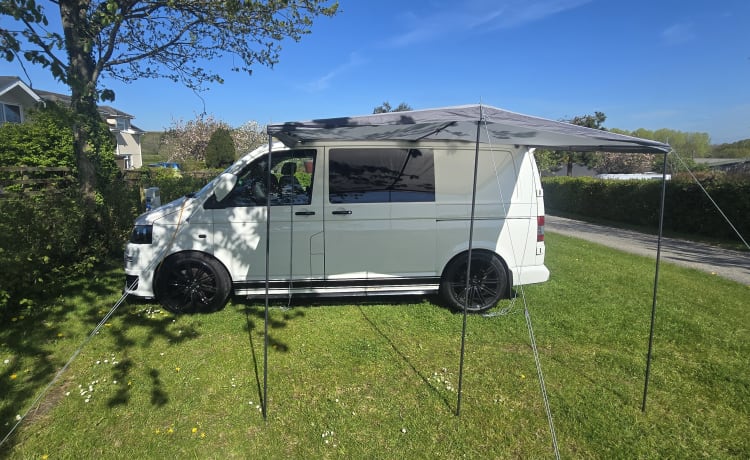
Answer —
380 214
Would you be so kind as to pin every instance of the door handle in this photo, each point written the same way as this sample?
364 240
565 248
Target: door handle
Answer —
345 212
304 213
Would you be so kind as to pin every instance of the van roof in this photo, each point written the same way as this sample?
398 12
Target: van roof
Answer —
459 123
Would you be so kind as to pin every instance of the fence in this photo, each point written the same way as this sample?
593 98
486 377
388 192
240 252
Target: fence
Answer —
18 181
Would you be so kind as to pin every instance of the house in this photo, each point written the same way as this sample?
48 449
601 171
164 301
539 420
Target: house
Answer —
17 98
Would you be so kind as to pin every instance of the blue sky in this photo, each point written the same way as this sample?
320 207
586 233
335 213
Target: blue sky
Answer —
683 65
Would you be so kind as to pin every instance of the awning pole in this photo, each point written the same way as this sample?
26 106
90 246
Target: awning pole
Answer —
268 258
468 265
656 283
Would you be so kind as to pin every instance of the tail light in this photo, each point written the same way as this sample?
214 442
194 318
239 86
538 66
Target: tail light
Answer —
540 229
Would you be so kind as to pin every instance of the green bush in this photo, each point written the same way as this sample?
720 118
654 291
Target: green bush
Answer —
46 240
45 139
45 236
39 244
42 140
687 208
172 184
220 151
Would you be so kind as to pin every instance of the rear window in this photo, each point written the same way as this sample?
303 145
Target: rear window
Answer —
391 175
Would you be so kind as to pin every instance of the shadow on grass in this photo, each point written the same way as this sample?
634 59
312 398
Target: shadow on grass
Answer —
293 309
406 359
32 337
158 327
255 320
26 338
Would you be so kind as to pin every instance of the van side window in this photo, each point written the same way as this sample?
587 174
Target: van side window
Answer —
386 175
291 181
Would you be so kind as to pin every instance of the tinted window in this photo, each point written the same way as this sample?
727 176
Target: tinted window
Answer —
291 181
381 175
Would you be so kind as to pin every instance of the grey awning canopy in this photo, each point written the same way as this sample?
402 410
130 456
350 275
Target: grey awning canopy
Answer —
460 124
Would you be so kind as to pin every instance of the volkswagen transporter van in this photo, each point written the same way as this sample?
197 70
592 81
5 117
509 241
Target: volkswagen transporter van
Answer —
348 218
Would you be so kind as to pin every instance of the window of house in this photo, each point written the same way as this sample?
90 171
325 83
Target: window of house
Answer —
123 124
10 113
390 175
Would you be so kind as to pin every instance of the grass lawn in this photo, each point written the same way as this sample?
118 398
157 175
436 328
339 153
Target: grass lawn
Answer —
378 379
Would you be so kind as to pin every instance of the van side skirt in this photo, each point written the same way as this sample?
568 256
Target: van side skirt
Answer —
368 286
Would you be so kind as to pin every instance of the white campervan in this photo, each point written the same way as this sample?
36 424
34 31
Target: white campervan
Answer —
388 203
348 218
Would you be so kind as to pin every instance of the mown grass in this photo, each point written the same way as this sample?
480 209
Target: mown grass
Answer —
378 379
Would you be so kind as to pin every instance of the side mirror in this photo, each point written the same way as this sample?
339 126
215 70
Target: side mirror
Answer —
224 185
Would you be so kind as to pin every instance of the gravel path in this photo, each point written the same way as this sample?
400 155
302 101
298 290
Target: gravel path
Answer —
734 265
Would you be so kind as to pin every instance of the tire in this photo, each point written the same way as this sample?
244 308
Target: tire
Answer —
488 282
192 282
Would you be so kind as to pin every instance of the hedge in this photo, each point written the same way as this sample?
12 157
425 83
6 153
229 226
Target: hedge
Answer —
687 208
45 238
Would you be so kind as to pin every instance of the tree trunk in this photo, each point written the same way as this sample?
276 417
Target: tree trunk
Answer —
81 78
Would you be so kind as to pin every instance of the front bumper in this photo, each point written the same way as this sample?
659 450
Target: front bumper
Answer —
139 271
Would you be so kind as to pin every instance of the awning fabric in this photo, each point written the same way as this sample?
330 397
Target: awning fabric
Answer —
460 124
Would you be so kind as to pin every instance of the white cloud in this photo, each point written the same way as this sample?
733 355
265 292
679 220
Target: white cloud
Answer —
678 34
477 15
324 82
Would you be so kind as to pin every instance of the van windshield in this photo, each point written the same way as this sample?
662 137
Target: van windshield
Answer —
232 169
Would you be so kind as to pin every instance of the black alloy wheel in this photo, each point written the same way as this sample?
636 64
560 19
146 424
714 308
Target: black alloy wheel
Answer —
192 282
488 282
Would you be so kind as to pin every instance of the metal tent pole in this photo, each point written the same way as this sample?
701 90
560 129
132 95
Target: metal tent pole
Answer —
656 284
468 266
268 253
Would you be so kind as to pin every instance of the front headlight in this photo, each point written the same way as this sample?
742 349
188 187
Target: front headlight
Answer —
142 234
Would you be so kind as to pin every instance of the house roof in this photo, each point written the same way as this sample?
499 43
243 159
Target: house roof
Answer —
10 84
113 112
464 123
65 99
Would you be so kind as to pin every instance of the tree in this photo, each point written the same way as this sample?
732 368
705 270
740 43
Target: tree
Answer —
220 151
187 141
739 149
595 121
385 107
554 160
130 39
625 163
686 144
248 137
45 140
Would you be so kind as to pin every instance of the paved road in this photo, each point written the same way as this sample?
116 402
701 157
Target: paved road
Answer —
734 265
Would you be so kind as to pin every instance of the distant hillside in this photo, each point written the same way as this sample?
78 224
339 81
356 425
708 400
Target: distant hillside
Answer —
150 143
152 149
739 149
